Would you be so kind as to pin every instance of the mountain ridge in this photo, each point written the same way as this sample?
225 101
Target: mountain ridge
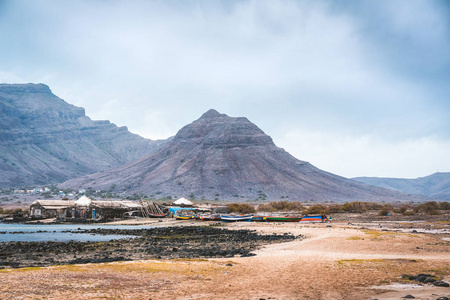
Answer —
436 185
218 156
44 139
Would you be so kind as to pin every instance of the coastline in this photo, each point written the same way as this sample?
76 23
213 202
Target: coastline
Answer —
343 261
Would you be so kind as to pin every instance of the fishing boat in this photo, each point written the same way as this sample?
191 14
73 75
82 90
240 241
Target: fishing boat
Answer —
184 215
216 217
258 219
315 219
150 209
236 218
204 217
283 219
150 215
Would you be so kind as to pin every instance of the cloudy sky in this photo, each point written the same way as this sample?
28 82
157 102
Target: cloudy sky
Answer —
357 88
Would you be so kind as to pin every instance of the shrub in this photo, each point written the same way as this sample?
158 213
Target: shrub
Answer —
241 208
281 206
444 206
373 206
429 208
384 211
335 208
402 209
355 207
317 209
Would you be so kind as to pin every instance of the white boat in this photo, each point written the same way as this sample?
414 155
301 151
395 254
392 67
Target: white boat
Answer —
236 218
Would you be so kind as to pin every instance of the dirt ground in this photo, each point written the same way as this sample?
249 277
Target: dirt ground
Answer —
344 261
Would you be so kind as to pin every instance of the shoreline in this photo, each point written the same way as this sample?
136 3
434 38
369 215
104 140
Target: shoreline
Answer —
344 261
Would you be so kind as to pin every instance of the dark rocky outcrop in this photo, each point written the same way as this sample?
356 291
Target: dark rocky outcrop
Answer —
218 156
161 243
45 140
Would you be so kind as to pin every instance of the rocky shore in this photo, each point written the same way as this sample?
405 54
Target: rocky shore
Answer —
154 243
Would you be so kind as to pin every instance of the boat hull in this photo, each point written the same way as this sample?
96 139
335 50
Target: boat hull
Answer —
183 217
282 219
157 215
259 219
315 219
228 218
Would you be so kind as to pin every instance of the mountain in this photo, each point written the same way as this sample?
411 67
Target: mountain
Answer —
222 157
45 140
435 186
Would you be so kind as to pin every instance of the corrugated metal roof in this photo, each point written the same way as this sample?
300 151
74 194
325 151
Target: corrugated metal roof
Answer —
59 203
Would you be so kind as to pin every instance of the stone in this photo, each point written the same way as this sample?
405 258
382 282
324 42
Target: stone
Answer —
420 278
234 157
441 283
429 280
44 140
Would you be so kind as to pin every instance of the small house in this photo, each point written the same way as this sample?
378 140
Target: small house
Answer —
44 209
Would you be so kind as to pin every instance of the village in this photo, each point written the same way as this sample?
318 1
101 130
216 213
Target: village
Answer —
85 209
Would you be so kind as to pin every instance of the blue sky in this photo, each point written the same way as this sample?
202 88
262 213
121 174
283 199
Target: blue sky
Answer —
357 88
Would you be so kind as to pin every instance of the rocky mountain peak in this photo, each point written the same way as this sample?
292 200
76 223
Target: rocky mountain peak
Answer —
25 88
222 157
44 139
212 113
214 129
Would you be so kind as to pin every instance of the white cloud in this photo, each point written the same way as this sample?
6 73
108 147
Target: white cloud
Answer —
353 156
155 66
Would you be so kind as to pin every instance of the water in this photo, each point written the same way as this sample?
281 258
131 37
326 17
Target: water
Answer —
47 233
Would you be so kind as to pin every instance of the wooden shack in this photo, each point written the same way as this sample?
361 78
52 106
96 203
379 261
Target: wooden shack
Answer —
44 209
85 208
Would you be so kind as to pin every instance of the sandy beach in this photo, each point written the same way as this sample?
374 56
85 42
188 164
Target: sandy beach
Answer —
335 261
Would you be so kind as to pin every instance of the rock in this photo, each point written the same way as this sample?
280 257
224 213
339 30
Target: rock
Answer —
442 298
229 265
248 255
153 243
219 151
409 297
420 278
43 139
429 280
441 283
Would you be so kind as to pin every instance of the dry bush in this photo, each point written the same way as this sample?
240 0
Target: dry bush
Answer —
373 206
444 206
334 208
384 211
241 208
265 207
403 209
317 209
430 208
15 211
354 207
281 206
